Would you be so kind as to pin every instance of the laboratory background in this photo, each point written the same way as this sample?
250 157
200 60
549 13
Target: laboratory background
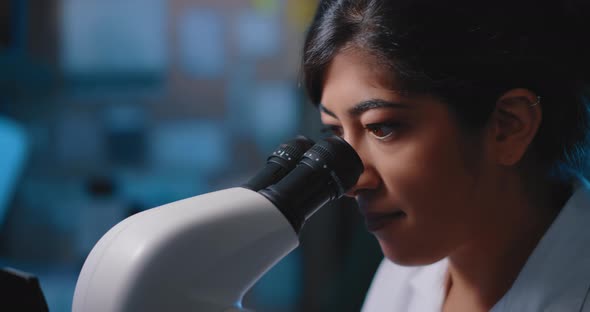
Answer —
112 107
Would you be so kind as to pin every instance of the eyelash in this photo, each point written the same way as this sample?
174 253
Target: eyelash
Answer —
332 129
371 129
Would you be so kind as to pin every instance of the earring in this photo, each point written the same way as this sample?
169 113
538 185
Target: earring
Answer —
537 102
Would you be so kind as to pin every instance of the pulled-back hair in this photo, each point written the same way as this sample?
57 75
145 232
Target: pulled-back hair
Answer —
468 53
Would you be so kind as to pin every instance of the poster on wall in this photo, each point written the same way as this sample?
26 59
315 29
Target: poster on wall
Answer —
275 113
201 43
258 34
113 36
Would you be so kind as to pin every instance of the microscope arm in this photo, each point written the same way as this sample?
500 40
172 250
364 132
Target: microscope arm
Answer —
198 254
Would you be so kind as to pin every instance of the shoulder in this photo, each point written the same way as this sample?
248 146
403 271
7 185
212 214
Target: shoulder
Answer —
398 288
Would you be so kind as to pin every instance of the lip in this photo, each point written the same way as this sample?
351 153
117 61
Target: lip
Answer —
376 221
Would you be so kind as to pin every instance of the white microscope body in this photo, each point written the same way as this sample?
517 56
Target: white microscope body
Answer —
204 253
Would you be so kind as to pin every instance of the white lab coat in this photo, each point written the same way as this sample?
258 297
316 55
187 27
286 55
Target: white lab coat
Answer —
556 277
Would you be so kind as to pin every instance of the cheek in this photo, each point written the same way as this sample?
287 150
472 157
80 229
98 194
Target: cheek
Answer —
429 184
430 180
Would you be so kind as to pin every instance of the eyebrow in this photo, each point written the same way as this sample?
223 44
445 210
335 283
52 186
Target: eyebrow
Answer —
364 106
327 111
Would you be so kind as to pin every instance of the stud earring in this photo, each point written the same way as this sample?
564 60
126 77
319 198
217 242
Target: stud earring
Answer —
537 102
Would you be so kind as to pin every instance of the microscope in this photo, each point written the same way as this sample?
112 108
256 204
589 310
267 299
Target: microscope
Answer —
205 252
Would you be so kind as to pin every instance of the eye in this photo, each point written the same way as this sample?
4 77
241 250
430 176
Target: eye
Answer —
382 131
333 129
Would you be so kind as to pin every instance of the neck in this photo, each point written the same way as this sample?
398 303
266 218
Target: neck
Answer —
483 270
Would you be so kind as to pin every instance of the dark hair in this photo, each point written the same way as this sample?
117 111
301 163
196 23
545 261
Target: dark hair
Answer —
468 53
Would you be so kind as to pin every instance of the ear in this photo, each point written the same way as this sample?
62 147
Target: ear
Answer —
514 124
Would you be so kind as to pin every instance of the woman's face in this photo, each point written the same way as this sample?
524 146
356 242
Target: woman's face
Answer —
425 181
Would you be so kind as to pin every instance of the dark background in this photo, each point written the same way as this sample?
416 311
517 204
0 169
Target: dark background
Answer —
123 105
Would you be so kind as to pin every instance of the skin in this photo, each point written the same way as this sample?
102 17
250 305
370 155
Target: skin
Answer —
454 193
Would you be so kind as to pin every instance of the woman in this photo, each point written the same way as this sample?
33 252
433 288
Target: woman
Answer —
470 121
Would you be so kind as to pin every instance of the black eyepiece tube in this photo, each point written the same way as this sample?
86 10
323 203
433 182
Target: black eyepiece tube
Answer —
325 172
279 163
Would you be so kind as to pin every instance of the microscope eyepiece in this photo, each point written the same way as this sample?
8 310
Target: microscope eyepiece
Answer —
324 173
279 163
339 157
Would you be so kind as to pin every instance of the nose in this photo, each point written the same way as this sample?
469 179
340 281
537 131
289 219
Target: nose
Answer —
369 178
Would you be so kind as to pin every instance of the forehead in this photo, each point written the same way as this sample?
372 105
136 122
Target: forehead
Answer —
356 79
354 76
364 65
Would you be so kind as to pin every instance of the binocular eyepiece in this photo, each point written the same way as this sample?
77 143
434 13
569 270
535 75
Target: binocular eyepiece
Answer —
300 176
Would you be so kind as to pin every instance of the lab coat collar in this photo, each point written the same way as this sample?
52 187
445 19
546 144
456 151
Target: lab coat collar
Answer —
428 286
556 277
